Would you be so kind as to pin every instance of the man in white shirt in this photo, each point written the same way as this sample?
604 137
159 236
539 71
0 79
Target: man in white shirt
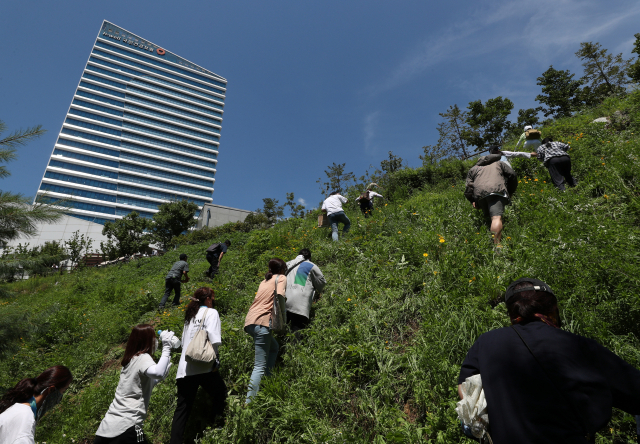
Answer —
366 201
332 205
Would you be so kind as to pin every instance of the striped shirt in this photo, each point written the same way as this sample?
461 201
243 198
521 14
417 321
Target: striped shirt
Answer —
551 149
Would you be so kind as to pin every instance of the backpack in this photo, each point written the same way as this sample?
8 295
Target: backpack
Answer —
365 198
215 248
533 134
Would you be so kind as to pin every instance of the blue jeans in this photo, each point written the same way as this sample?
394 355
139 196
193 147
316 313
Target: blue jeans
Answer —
334 219
266 348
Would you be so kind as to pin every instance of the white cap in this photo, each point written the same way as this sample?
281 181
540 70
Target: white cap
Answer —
528 127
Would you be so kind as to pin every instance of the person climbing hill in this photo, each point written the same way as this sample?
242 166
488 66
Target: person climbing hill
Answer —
490 185
304 281
332 205
365 200
555 158
215 253
531 138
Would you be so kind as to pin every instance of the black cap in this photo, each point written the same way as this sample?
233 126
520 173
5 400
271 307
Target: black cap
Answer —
536 285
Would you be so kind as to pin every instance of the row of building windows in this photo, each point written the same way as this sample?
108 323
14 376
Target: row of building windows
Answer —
155 194
104 109
103 80
92 126
97 220
83 169
137 202
78 192
171 109
92 116
95 69
165 99
180 129
83 157
173 146
159 63
115 58
165 90
85 206
151 78
75 133
125 212
163 164
165 174
86 146
165 185
145 129
100 98
81 180
155 113
168 155
102 89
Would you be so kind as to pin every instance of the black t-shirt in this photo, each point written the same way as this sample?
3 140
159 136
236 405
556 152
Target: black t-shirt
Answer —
523 403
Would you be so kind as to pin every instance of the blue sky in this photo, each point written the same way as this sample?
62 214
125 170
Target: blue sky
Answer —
310 83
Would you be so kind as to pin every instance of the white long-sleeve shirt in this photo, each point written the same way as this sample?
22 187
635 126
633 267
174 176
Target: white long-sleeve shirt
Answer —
372 194
506 155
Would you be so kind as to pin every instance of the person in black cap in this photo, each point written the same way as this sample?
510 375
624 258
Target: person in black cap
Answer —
544 384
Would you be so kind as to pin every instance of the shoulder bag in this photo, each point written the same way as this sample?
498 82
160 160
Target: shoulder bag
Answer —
278 321
200 349
590 437
293 266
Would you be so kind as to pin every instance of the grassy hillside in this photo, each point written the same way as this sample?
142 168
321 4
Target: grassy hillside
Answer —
409 291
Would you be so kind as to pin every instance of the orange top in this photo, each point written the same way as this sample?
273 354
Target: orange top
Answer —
260 310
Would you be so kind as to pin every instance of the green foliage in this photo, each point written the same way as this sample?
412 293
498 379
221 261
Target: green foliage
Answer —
172 219
337 179
296 210
487 122
77 246
128 234
634 68
271 210
560 93
409 290
605 73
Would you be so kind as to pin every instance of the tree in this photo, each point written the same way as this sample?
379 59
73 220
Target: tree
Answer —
129 234
109 250
77 245
451 131
605 73
560 93
487 122
18 216
634 69
172 219
392 164
271 210
297 210
337 179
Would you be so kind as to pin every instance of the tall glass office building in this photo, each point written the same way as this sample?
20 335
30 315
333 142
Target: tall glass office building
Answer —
143 128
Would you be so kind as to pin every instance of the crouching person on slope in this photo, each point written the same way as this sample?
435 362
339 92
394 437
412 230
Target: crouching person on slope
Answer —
304 281
124 420
24 405
199 314
490 185
543 384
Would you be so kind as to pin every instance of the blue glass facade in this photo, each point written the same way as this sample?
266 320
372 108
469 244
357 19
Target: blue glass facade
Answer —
143 128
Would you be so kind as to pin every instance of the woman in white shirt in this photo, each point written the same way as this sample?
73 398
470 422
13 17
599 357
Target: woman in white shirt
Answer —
24 405
124 420
192 375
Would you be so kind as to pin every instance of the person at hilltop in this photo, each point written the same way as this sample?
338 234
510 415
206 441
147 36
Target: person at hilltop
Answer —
531 138
332 205
506 155
214 256
490 185
304 281
26 403
365 200
543 384
173 280
258 324
124 421
554 156
192 375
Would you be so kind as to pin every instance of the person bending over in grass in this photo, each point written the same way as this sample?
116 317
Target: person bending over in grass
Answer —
24 405
305 281
199 314
173 280
544 384
332 205
257 324
555 158
490 185
139 374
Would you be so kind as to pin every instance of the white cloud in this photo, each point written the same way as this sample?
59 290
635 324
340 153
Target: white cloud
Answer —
301 201
369 130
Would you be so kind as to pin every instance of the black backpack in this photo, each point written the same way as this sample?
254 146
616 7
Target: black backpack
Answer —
215 248
365 198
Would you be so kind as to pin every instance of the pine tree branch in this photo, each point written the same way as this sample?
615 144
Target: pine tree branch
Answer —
21 137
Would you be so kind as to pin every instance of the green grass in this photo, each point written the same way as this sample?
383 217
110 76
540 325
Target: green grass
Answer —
408 292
